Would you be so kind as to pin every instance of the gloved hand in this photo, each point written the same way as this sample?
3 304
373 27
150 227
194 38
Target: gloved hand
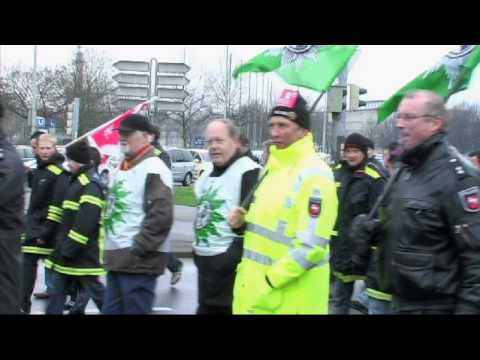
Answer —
363 229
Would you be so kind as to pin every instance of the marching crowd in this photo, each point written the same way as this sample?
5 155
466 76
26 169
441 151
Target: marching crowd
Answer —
288 236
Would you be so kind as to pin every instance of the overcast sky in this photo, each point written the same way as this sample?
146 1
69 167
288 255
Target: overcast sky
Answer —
381 69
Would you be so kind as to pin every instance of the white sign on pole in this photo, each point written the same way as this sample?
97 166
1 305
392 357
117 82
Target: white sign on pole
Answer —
172 93
170 80
178 68
131 91
136 79
138 66
170 106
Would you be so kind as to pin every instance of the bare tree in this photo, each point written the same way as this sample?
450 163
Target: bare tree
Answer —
88 77
464 127
198 111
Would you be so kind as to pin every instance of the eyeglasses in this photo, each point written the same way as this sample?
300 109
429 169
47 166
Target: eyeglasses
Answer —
412 117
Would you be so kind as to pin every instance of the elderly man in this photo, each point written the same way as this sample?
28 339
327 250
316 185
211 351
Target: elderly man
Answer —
430 234
138 220
218 248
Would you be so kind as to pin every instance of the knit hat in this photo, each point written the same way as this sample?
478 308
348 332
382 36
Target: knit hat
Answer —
293 107
79 152
358 141
135 122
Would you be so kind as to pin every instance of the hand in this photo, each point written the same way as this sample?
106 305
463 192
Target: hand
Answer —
236 218
362 229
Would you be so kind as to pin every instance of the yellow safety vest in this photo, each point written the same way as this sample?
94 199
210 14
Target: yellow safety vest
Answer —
289 225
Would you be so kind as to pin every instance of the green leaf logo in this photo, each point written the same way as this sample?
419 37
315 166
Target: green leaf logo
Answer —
117 206
208 216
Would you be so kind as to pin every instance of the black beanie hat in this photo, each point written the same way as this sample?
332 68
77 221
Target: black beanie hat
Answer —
293 107
357 141
79 152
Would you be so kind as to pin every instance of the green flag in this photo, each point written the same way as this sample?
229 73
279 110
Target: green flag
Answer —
310 66
451 75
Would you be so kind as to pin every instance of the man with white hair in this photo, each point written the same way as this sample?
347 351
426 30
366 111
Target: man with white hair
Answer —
429 232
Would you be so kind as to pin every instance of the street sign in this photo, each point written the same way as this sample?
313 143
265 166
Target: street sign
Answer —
135 79
138 66
172 93
127 103
41 122
179 68
131 91
170 80
170 106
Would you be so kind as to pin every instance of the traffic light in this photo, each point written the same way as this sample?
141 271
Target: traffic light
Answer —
336 99
69 123
354 97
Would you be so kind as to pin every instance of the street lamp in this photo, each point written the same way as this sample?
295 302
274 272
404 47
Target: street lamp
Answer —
34 89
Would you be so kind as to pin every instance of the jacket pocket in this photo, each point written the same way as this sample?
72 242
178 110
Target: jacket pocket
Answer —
268 300
412 275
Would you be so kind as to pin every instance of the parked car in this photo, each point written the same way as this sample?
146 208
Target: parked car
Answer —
27 155
183 166
202 161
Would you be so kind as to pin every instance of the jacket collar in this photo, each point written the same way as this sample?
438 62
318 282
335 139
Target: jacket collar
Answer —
289 157
417 156
145 152
219 170
56 158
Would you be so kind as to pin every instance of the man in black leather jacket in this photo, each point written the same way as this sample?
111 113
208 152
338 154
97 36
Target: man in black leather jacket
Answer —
429 251
12 178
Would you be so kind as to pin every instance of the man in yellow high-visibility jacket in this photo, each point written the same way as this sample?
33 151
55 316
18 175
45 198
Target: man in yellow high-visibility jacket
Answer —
285 263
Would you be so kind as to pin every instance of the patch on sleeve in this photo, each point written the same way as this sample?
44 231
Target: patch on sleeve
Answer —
315 206
470 199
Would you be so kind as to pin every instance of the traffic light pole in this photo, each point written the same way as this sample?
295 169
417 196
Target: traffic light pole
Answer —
339 122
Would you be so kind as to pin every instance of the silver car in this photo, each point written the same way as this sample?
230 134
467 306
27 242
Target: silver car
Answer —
183 166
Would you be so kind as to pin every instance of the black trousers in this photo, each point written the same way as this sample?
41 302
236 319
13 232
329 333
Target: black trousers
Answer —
216 277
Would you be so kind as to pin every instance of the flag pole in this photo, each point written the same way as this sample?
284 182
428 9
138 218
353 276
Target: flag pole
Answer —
105 124
316 102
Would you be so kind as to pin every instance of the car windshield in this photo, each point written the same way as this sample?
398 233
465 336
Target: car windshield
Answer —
205 156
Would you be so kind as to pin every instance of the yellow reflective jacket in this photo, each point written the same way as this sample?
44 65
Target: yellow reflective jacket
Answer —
286 244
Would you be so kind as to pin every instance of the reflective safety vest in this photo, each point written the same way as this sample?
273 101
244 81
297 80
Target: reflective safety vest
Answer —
285 264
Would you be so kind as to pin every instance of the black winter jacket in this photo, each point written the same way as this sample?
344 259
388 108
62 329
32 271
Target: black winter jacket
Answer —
357 191
79 245
430 250
43 186
12 179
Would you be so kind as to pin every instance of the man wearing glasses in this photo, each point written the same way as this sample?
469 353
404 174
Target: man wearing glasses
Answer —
429 248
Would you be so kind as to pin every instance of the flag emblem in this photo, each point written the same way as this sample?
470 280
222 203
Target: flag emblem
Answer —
470 199
315 207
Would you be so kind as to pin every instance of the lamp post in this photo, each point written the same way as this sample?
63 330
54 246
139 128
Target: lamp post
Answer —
34 89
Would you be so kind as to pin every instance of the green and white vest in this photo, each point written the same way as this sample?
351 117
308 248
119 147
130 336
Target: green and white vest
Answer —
217 196
125 214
